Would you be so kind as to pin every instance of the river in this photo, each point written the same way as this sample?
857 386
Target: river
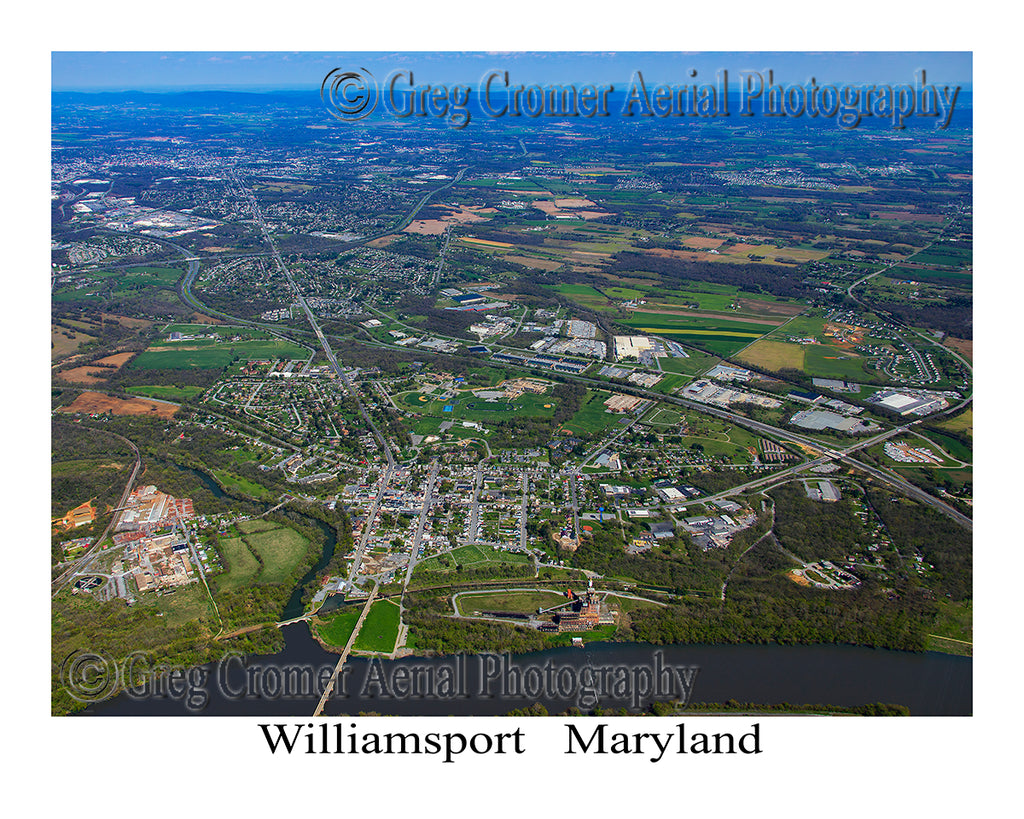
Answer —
612 675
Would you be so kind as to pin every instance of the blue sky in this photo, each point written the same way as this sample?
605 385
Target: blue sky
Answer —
89 71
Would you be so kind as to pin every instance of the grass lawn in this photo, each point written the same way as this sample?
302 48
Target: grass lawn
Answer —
337 627
662 417
185 604
964 422
522 602
237 483
242 567
597 634
166 393
830 362
774 355
592 416
380 628
247 527
472 555
955 620
282 549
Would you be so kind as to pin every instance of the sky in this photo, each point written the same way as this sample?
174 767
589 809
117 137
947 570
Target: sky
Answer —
264 71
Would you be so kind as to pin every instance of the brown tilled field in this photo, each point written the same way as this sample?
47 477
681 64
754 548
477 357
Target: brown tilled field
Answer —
98 402
963 346
125 320
702 241
85 375
202 318
768 308
92 374
532 261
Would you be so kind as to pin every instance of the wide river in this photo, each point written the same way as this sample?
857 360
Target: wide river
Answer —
606 674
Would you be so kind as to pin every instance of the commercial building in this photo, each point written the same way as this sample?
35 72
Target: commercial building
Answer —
631 346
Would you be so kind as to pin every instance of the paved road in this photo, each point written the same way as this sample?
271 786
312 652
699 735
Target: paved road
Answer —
424 511
523 509
474 512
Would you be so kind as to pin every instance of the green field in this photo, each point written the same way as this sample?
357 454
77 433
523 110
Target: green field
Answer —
592 417
337 627
185 604
165 392
119 283
149 275
831 362
662 417
380 628
955 620
279 548
242 566
209 355
282 549
623 293
587 296
519 602
704 301
964 422
951 445
717 335
773 355
692 365
244 486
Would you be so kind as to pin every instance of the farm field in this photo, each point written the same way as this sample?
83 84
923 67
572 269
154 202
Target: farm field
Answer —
97 371
774 355
61 345
210 355
829 362
588 296
98 402
717 335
